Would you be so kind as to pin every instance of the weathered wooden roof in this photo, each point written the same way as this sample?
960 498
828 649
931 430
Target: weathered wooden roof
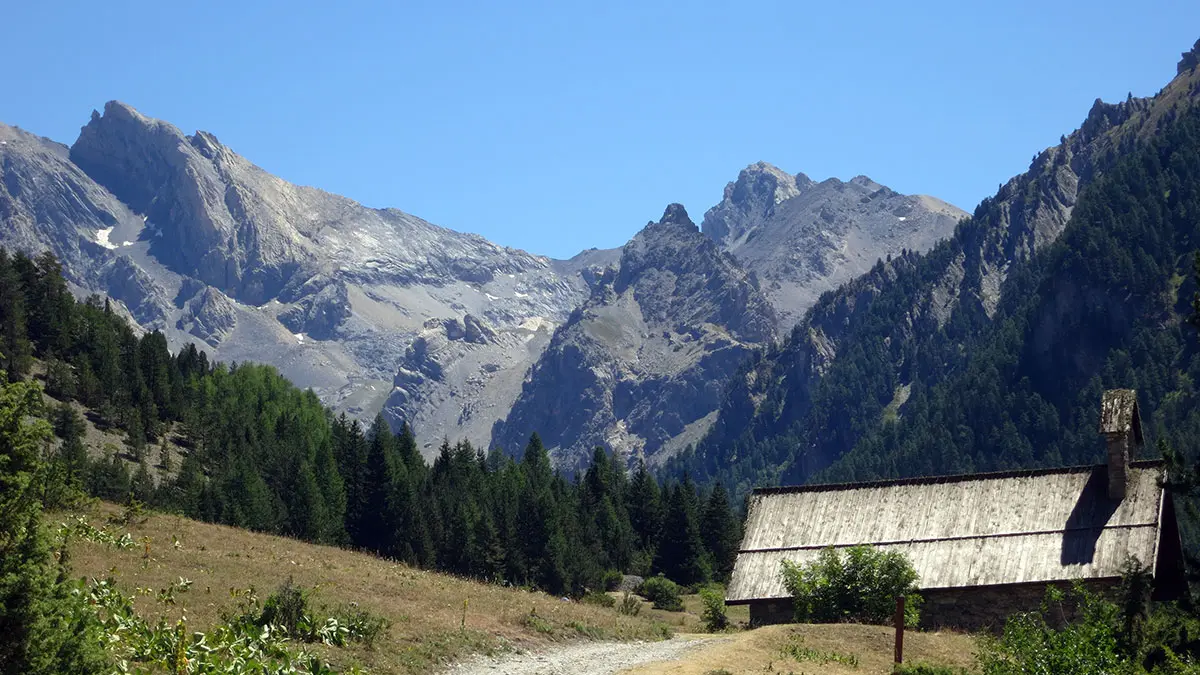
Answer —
1119 413
979 529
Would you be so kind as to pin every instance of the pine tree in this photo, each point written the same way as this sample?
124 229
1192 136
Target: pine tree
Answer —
681 555
720 531
539 523
376 524
644 506
43 629
15 346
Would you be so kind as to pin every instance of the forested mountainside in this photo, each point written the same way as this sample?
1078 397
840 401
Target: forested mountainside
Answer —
991 350
378 310
259 453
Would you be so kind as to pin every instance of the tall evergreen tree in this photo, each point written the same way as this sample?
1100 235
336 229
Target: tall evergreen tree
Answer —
681 555
15 347
720 531
43 628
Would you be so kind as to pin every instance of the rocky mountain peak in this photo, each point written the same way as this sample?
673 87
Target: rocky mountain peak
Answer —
803 238
675 214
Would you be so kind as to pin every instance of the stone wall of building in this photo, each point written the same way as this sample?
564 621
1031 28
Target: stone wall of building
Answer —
764 612
986 608
975 608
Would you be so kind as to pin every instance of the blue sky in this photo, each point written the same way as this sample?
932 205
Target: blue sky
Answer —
558 126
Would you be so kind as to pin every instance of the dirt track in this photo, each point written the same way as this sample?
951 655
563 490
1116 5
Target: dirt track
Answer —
599 658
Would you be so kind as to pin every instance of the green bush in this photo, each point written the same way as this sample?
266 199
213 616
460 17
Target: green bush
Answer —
859 585
287 608
629 605
611 580
1031 644
713 614
663 592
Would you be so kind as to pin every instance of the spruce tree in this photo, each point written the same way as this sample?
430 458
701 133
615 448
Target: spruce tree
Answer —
375 526
15 347
720 531
681 555
539 521
43 628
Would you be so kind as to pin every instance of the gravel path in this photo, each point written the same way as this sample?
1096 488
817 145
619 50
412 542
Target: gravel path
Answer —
598 658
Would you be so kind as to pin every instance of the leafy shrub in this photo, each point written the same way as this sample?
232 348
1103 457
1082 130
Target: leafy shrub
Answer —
287 608
713 614
611 580
537 623
599 599
663 592
237 645
1031 644
858 586
629 605
361 625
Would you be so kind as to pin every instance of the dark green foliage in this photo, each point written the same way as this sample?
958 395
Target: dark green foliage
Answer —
927 669
721 531
44 626
1032 643
680 553
663 592
287 608
859 585
713 614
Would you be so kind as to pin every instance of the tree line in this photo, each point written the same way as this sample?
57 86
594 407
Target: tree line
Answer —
259 453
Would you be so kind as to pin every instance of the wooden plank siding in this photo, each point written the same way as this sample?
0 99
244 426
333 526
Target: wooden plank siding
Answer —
960 531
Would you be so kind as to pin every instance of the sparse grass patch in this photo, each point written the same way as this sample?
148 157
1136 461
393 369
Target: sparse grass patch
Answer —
796 649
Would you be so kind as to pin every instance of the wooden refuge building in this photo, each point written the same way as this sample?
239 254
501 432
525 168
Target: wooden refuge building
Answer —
985 545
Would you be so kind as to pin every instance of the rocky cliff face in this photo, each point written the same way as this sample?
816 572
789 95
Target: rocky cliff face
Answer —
641 366
803 238
197 241
48 203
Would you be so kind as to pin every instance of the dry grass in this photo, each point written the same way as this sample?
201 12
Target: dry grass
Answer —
762 651
429 625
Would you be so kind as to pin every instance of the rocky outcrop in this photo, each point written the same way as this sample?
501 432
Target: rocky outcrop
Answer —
209 315
803 238
642 365
319 314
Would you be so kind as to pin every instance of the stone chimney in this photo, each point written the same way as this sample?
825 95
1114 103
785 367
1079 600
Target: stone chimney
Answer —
1121 427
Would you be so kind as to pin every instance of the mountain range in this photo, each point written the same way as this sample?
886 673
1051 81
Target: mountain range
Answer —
379 311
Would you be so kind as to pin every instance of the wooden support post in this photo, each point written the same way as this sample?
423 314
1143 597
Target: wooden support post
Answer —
899 619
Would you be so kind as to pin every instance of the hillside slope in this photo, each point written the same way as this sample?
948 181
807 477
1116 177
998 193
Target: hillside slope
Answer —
435 618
